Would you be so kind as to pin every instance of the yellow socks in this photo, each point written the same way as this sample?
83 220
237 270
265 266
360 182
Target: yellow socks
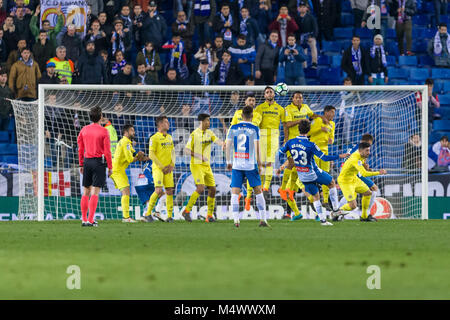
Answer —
268 177
346 207
286 177
169 205
211 202
192 201
293 206
152 203
125 202
326 194
249 190
365 201
311 199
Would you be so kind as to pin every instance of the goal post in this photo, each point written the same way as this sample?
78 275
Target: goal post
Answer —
47 161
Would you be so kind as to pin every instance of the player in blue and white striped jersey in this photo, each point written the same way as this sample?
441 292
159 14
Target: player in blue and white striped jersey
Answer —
303 151
244 159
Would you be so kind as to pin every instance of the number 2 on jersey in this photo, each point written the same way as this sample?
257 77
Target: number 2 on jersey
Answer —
303 157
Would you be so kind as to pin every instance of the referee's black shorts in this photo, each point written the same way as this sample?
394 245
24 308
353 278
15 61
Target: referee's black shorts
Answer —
94 172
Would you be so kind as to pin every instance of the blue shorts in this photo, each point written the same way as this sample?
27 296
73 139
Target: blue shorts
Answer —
237 178
367 181
323 178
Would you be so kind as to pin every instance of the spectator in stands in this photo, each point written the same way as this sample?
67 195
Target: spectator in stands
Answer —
234 103
91 67
266 62
439 154
248 27
49 76
22 23
439 47
203 76
15 54
143 77
124 15
249 81
308 31
358 8
14 4
171 78
43 50
183 5
355 62
219 47
96 6
225 25
227 72
206 52
377 62
118 64
244 55
108 66
346 114
64 67
124 76
412 153
263 17
433 102
185 29
141 21
97 36
403 11
150 58
24 77
156 31
3 13
440 8
293 56
3 49
326 12
10 36
187 122
120 40
105 25
72 42
6 110
90 17
284 25
371 7
203 15
176 56
51 32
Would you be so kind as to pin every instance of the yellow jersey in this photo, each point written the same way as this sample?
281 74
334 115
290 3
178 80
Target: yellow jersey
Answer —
123 155
271 115
162 146
294 113
238 118
319 137
352 166
200 142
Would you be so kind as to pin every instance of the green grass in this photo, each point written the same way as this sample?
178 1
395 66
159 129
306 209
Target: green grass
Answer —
294 260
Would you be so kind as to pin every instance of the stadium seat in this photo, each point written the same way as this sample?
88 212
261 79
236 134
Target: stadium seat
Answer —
391 34
441 125
346 6
4 137
407 61
4 149
418 74
398 73
347 19
444 18
429 33
446 86
419 46
434 137
336 61
364 33
417 32
439 86
330 76
439 73
343 33
331 46
391 61
444 112
11 149
397 82
426 60
345 44
444 99
392 48
310 73
11 159
420 19
323 60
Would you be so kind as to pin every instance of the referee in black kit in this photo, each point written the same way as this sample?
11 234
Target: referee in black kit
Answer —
94 147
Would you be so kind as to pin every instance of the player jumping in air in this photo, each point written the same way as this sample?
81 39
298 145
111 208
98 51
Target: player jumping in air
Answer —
303 151
271 116
237 118
162 154
243 158
94 147
199 148
350 183
123 156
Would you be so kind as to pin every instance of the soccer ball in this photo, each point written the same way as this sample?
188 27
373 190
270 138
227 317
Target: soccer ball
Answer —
281 89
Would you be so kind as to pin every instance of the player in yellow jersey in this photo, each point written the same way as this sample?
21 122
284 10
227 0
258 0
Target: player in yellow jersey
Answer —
199 148
294 113
250 101
350 184
162 154
123 156
271 116
322 134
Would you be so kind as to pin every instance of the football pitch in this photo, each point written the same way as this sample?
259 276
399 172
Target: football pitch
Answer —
293 260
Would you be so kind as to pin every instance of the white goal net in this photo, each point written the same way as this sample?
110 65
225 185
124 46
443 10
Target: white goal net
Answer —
49 177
